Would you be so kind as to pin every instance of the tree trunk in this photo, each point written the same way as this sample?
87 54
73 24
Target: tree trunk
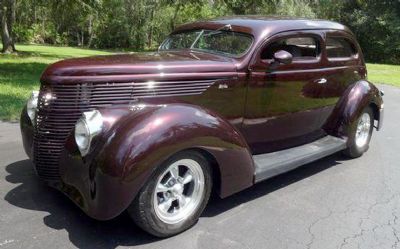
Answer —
7 19
78 38
8 45
150 34
11 21
82 38
90 31
177 8
34 13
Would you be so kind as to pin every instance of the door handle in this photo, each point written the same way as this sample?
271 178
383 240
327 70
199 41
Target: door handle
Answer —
322 81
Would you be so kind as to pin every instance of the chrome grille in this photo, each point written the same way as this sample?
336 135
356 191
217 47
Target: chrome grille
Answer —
57 116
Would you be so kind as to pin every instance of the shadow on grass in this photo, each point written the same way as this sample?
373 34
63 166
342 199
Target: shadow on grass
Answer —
16 82
11 106
31 70
47 55
84 232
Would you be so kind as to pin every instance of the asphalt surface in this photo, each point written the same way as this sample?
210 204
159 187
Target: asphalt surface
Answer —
332 203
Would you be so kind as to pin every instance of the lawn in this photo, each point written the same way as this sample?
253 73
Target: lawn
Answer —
384 74
19 74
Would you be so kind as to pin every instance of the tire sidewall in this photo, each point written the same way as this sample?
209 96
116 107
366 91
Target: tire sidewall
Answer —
145 200
354 150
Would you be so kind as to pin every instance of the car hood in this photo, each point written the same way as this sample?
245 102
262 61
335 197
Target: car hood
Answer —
156 64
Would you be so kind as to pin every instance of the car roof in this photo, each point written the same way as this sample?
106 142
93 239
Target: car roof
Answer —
264 26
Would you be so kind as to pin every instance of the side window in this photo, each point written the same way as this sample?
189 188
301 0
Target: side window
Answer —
301 48
339 47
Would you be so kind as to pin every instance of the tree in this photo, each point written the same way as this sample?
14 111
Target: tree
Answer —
143 24
7 18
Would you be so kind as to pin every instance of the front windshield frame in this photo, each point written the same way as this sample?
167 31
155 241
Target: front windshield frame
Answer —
199 36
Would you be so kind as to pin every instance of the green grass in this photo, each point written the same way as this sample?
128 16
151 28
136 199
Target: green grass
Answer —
20 74
384 74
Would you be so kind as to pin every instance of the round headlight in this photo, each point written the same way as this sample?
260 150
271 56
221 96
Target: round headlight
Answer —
31 106
87 127
82 135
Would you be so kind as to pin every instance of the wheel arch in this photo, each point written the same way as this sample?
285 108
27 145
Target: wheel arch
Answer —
140 139
215 167
352 102
375 110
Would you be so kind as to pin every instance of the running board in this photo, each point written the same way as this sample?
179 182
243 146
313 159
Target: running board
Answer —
275 163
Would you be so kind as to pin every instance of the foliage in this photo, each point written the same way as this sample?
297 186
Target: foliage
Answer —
379 24
143 24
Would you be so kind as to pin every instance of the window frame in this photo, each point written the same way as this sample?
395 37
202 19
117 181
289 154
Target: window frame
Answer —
233 56
354 56
258 64
295 59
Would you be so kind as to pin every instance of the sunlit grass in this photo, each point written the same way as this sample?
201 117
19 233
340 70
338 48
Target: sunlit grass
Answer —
20 73
384 74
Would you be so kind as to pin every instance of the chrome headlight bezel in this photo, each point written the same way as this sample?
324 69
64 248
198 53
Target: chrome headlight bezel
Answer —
31 106
86 128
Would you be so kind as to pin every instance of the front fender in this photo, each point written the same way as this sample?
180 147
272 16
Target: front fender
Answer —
350 106
137 140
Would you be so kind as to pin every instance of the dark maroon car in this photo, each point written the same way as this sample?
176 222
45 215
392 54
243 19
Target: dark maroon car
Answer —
222 105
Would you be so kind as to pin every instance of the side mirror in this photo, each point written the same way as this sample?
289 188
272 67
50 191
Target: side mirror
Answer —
283 57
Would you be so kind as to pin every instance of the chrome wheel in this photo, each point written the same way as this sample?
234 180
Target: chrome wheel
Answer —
179 191
363 130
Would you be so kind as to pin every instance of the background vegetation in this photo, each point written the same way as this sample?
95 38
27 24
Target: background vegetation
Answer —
142 24
100 26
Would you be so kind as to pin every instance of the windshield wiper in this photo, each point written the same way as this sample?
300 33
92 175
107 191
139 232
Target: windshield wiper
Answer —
226 27
197 39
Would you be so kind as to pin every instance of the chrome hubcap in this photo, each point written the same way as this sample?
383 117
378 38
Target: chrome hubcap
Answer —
179 191
363 129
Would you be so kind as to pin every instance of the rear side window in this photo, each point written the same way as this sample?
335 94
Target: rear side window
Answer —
338 47
302 48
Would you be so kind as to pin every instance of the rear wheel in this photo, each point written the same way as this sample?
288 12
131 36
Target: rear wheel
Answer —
175 197
360 134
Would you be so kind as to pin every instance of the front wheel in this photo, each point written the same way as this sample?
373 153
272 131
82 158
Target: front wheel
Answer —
175 197
360 134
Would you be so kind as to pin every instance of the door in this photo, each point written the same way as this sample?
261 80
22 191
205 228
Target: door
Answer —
282 108
344 65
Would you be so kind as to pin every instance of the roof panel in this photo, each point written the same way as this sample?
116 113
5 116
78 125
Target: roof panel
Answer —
261 26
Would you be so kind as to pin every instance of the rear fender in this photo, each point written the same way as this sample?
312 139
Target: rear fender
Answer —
350 106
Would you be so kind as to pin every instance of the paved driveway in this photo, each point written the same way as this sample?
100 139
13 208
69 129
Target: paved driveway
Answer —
332 203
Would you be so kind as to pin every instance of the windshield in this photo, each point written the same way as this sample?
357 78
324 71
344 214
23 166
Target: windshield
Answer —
228 43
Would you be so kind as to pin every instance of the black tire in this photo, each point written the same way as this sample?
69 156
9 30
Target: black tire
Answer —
353 150
142 209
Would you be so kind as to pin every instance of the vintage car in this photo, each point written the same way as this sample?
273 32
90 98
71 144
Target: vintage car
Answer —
222 105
